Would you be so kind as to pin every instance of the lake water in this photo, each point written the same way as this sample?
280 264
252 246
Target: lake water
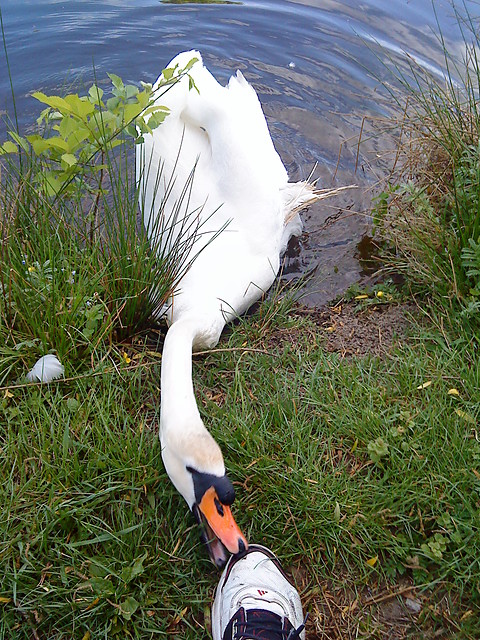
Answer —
317 66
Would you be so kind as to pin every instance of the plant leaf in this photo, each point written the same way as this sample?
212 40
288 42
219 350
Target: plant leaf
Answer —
128 607
372 561
102 586
55 102
129 573
69 159
8 147
424 385
466 416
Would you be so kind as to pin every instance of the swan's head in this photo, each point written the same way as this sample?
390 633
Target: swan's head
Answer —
196 468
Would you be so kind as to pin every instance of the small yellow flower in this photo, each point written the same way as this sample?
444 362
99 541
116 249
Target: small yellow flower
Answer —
31 269
379 294
372 561
126 358
453 392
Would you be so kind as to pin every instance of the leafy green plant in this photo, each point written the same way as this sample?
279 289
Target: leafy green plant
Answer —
380 294
77 270
471 263
430 209
377 449
75 130
435 546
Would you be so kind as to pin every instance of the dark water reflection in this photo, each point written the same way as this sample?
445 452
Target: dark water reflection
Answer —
317 66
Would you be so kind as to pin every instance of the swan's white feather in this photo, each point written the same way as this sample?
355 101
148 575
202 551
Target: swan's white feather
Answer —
239 183
46 369
241 186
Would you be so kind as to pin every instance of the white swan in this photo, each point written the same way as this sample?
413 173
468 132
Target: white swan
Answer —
240 187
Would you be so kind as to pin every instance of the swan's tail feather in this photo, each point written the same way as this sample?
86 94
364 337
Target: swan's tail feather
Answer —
296 196
321 194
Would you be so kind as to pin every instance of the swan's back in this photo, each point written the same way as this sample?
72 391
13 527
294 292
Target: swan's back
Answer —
239 183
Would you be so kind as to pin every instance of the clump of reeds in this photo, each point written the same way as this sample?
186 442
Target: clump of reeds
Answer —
77 269
430 210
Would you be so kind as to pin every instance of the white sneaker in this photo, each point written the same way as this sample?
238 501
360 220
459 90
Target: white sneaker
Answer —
255 600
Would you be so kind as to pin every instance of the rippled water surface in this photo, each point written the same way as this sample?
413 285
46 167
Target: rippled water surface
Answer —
316 65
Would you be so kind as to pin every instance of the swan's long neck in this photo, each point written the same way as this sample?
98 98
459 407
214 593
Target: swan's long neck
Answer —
178 406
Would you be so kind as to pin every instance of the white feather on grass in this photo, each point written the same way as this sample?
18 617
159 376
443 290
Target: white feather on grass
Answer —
46 369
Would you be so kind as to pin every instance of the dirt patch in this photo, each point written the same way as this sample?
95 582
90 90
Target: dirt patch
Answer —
345 608
338 611
352 331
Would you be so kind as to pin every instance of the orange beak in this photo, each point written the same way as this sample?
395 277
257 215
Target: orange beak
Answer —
220 520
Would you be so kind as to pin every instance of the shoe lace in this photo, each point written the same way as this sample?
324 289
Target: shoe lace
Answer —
266 625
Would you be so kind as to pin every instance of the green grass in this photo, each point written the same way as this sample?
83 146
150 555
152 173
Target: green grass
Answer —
430 210
92 529
363 473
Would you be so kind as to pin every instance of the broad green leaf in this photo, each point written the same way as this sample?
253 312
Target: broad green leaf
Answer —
44 114
96 94
39 144
154 109
69 159
102 586
19 140
156 119
81 107
132 131
8 147
130 91
52 183
131 112
53 101
377 449
168 73
113 103
143 98
190 65
192 85
98 567
58 143
66 126
129 573
78 135
103 120
73 405
116 81
128 607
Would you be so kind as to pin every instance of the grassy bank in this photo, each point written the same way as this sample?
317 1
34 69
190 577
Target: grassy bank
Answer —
362 472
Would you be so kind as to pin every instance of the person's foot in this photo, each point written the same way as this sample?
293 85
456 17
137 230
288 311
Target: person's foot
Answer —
254 599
